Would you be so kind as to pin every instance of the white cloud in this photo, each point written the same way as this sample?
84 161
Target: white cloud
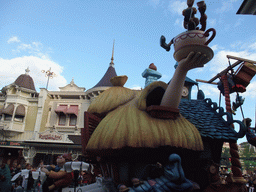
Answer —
35 56
215 47
250 91
13 39
236 44
12 68
135 87
210 91
164 76
25 47
177 7
253 46
35 48
220 60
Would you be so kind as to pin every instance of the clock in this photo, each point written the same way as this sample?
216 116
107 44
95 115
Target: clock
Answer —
213 169
185 91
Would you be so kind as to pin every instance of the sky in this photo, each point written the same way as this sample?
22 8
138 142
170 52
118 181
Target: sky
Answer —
75 39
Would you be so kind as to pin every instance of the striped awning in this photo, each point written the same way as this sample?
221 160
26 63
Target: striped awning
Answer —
61 109
73 109
9 109
20 111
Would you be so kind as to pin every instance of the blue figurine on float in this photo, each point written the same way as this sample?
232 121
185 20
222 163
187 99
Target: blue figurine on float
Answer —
173 179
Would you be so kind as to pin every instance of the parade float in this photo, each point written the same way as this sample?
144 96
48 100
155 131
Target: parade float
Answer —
151 139
158 138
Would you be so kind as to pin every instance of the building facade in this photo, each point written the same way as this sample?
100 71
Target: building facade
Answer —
41 126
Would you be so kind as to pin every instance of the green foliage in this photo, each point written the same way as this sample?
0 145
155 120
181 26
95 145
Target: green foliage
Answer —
248 156
225 155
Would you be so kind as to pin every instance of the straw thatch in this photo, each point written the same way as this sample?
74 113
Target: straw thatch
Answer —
128 126
111 99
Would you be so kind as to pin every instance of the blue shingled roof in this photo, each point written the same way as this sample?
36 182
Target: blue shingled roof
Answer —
208 119
188 80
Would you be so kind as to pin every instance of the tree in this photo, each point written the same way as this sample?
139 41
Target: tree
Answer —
225 157
248 156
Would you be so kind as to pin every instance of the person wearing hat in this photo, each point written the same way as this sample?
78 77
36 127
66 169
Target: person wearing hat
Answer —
61 178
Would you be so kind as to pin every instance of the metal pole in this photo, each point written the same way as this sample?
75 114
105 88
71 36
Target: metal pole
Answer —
47 82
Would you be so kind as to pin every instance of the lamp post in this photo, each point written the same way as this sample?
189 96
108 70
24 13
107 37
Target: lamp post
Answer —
49 74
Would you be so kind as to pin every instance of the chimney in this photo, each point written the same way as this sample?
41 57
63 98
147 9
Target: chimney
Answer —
151 74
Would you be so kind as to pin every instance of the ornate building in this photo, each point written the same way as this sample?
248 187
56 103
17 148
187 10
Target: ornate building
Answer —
41 126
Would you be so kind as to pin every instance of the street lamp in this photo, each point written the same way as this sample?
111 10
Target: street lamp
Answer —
49 74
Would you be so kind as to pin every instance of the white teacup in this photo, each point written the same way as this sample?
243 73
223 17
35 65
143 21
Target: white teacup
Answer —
193 37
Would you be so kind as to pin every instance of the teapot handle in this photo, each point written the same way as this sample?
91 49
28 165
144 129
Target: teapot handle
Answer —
206 34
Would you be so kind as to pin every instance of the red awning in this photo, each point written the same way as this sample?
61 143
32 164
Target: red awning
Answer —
61 109
9 109
73 109
20 111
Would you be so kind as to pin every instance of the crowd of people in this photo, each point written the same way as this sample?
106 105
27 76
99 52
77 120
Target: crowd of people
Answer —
251 182
56 178
7 171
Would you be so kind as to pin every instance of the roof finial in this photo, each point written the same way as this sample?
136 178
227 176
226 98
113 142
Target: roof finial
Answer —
27 71
72 82
112 58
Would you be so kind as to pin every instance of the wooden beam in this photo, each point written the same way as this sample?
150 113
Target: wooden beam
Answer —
203 81
224 71
241 59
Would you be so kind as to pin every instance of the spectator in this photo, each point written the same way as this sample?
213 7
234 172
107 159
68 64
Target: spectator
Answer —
5 177
17 186
18 169
14 168
41 164
251 187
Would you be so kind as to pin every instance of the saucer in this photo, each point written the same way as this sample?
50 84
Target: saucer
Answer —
184 51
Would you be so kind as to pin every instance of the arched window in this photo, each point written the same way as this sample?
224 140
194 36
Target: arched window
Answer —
20 113
8 112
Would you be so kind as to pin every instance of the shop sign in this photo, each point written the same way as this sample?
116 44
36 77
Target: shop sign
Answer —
9 143
50 136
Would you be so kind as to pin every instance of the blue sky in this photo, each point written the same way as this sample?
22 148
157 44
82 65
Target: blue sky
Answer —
75 39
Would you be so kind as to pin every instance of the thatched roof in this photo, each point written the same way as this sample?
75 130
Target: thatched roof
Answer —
129 126
111 99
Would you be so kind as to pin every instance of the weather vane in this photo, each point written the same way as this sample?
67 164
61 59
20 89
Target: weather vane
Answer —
49 74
